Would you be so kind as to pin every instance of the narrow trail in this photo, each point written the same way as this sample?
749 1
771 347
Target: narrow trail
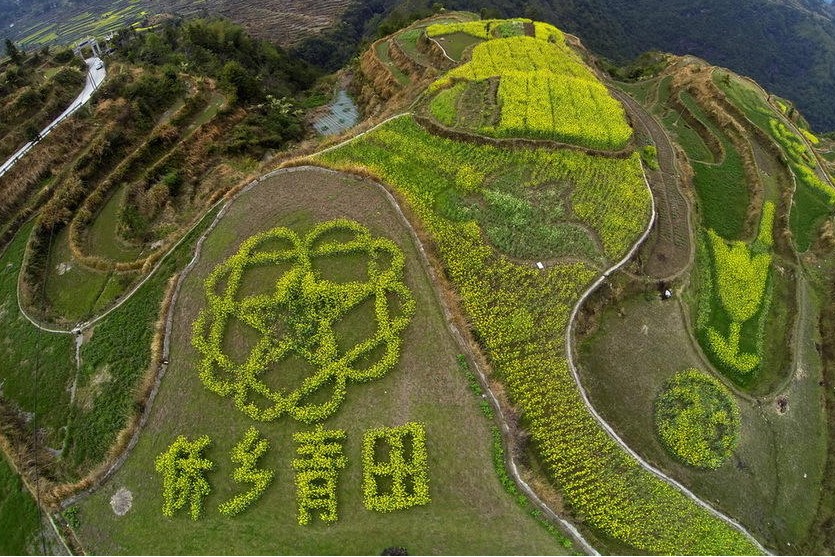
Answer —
669 170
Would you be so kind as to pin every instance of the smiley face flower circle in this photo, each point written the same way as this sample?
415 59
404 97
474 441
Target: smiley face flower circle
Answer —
300 320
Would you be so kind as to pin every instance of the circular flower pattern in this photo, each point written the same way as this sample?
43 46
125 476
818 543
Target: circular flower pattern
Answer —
297 319
697 419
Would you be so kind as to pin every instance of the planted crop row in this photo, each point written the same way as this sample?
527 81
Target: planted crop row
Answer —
546 92
183 470
406 467
481 29
298 318
813 198
246 454
606 195
552 106
520 314
501 28
477 29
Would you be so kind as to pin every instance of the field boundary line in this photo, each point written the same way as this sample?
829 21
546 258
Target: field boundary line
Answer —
569 347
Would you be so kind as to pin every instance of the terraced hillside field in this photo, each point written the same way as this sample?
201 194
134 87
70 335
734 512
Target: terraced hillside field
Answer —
439 332
282 21
750 287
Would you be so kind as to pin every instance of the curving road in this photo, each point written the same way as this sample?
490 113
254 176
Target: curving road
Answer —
96 73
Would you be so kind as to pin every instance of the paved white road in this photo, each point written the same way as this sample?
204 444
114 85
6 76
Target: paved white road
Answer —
95 75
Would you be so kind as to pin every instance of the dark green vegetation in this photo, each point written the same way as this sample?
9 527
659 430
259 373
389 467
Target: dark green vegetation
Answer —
740 305
785 44
426 386
697 419
723 193
20 520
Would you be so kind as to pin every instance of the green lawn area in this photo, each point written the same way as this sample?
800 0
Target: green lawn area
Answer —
690 141
722 189
469 512
72 289
36 368
115 360
102 236
456 43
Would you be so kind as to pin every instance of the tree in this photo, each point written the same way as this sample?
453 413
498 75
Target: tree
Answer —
245 86
13 52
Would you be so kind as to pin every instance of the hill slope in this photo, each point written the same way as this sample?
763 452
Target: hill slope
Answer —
787 45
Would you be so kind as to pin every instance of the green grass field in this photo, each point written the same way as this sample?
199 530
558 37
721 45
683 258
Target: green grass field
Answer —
74 291
723 193
37 369
382 50
454 44
80 411
20 520
425 386
115 359
103 239
97 19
